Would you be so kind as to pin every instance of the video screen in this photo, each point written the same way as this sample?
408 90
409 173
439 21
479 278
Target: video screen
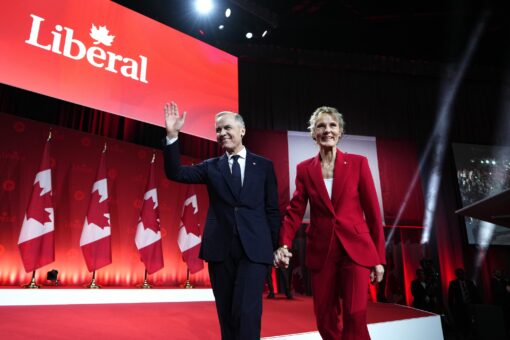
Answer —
482 171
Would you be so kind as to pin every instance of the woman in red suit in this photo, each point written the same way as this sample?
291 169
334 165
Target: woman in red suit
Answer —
345 240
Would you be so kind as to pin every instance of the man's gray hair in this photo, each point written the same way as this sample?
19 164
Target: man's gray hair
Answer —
239 119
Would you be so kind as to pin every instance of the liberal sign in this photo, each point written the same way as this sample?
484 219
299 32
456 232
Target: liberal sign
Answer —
99 54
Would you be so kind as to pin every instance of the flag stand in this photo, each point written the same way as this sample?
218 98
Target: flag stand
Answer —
145 284
92 284
188 285
32 283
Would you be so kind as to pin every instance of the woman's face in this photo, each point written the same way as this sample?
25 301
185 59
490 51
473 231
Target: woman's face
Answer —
327 131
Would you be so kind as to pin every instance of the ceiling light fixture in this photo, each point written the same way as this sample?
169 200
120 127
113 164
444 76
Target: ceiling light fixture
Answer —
204 6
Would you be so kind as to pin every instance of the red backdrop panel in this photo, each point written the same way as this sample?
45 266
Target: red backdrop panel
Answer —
64 49
74 157
397 167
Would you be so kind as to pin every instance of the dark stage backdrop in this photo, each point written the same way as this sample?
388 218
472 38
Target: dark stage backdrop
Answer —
74 159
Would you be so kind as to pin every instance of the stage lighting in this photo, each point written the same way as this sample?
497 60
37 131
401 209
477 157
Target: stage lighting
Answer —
439 139
437 142
249 35
203 6
228 12
264 33
52 276
220 27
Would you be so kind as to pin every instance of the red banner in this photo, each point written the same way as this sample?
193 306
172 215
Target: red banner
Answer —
99 54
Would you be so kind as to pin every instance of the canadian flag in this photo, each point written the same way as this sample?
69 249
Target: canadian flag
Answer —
36 239
148 232
190 236
95 241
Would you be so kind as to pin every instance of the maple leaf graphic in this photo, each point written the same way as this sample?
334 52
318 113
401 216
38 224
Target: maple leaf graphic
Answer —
190 220
150 215
101 35
38 204
98 210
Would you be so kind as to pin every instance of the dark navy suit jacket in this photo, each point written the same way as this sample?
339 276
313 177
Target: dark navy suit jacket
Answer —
254 213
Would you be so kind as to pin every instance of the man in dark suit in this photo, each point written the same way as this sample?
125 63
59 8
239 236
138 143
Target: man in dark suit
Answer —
243 220
420 291
462 294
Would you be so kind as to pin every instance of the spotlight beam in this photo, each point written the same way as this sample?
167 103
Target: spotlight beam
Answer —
442 127
439 134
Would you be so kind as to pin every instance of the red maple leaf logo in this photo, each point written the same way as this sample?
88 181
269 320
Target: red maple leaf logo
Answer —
38 203
190 220
97 211
150 215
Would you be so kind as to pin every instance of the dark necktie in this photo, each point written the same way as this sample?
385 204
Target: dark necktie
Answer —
236 175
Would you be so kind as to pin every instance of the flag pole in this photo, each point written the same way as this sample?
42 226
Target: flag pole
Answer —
188 285
92 284
32 283
145 285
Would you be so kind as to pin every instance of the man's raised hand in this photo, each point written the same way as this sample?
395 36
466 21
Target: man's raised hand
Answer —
173 122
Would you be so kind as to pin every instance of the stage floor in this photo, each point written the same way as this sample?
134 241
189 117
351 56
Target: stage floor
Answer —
178 314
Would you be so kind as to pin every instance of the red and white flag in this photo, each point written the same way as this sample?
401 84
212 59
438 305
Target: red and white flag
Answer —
190 235
36 239
148 232
95 241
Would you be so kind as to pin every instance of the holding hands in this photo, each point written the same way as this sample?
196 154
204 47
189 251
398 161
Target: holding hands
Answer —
281 257
377 273
173 122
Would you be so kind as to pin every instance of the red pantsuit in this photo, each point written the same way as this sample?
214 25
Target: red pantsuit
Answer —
345 240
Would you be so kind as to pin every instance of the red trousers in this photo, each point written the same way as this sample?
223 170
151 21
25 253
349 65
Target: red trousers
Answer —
340 296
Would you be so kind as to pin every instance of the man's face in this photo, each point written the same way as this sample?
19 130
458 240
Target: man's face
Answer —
229 133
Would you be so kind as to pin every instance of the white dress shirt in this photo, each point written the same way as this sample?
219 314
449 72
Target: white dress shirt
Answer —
241 160
329 186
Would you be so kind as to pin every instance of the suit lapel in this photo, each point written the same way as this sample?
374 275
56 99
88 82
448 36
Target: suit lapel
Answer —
315 173
339 177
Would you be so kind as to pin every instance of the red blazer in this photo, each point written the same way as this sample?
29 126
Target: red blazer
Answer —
352 213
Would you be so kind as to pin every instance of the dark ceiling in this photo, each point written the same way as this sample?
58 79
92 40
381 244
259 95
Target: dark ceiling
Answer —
434 30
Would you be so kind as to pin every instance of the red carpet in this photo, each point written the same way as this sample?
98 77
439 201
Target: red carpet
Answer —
191 320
